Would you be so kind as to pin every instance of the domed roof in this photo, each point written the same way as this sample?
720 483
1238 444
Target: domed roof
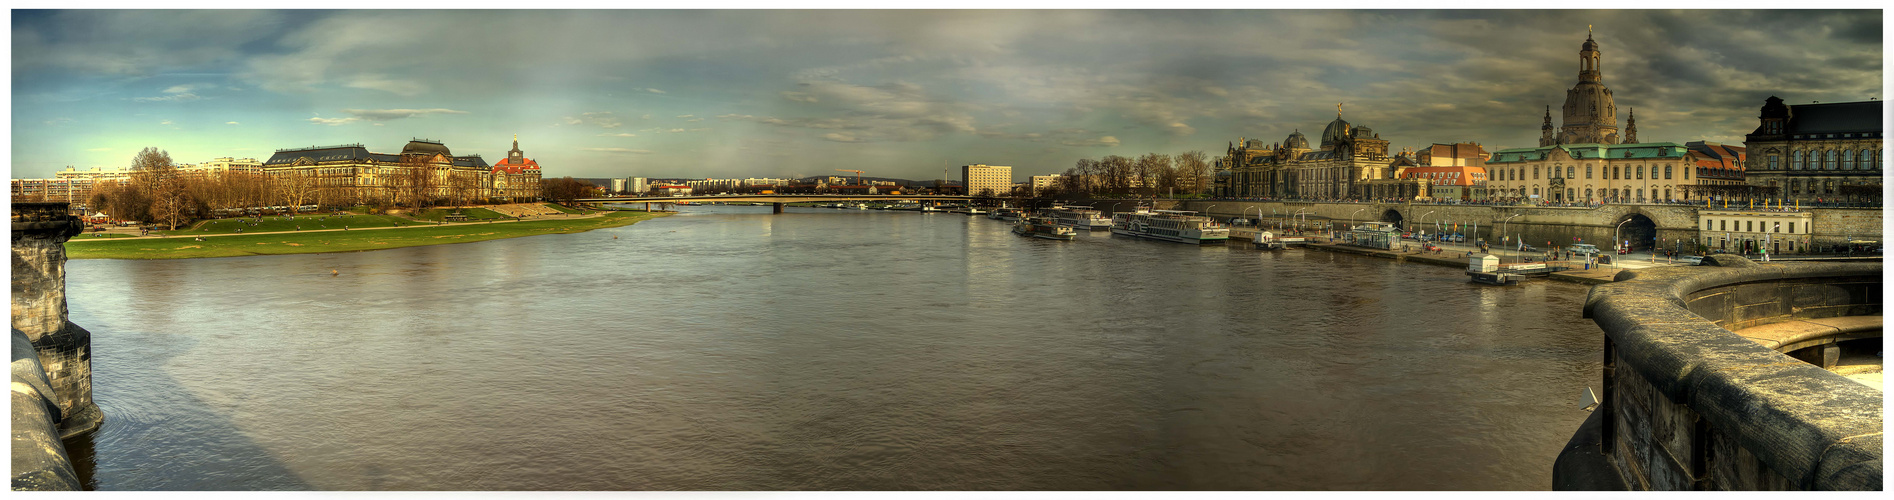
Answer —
1337 132
1589 44
1296 141
425 147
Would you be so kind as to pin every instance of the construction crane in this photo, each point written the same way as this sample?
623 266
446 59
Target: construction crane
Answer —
858 175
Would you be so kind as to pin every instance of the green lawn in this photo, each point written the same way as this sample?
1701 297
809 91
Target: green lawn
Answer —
185 247
438 214
300 223
562 208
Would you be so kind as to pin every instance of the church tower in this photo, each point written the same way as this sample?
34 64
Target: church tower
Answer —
515 156
1631 127
1590 115
1548 135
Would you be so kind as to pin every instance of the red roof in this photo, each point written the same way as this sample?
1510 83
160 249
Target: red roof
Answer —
513 168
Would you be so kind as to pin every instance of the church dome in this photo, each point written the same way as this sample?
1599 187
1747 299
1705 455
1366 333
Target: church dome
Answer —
425 147
1296 141
1336 133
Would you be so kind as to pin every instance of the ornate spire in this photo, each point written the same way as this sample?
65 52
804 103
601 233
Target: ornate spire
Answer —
1631 127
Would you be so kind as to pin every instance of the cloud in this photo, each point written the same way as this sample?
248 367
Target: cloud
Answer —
385 84
600 119
620 134
333 121
685 116
619 150
893 112
179 89
396 114
654 91
1105 141
166 122
174 97
57 121
842 137
799 96
231 123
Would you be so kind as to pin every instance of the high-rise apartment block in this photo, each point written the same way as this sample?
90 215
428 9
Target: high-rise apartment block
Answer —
987 180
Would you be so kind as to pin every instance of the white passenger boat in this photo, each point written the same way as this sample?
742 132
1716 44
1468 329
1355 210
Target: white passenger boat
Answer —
1080 217
1041 227
1170 225
1002 214
930 208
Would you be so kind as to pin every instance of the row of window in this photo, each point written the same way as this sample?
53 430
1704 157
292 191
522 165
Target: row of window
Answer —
1745 226
1833 160
1571 194
1571 172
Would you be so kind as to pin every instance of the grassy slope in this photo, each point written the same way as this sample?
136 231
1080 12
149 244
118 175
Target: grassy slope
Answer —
179 247
437 214
307 222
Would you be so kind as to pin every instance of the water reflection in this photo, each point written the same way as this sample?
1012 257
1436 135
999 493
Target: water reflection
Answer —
727 348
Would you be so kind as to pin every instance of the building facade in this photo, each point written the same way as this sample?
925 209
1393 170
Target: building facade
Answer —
1349 157
1649 172
1749 231
1816 153
1717 164
987 180
350 174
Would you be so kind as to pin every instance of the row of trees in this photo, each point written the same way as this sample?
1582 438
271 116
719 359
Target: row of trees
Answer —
158 191
1152 174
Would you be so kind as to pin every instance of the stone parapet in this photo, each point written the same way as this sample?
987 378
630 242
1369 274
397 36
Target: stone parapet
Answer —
1690 405
39 457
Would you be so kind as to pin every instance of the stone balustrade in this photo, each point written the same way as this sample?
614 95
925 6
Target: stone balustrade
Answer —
1688 404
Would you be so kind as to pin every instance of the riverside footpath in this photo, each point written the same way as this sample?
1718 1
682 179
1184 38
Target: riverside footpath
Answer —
1456 254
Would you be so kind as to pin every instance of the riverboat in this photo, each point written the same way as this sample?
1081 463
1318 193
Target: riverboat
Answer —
1081 217
1170 225
1003 213
1269 241
1042 227
930 208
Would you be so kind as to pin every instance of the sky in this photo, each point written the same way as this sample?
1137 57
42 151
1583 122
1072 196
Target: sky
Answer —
903 94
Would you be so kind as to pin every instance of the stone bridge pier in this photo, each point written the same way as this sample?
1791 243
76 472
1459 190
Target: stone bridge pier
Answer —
40 231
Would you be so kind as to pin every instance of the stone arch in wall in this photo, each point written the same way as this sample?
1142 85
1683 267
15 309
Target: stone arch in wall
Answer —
1637 229
1394 216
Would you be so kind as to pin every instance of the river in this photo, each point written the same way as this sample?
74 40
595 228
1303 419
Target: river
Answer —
726 348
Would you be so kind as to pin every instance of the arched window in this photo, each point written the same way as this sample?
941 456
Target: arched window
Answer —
1867 160
1830 164
1667 171
1569 192
1614 172
1587 172
1848 159
1535 191
1587 194
1795 160
1571 172
1535 175
1686 173
1640 169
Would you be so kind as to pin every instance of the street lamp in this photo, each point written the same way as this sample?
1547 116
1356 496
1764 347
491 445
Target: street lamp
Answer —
1206 211
1351 216
1614 240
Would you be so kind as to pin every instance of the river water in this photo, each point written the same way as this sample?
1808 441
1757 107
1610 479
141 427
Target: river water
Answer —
726 348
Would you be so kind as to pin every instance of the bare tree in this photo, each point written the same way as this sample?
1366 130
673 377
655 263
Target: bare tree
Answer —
1194 171
295 188
155 174
1117 172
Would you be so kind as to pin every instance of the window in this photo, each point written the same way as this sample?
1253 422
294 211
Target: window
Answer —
1587 193
1614 172
1791 228
1570 172
1686 173
1666 170
1795 161
1587 170
1535 174
1667 194
1830 164
1726 225
1535 191
1752 226
1569 192
1772 162
1848 160
1640 170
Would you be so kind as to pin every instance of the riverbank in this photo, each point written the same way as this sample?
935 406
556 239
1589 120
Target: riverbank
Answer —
337 240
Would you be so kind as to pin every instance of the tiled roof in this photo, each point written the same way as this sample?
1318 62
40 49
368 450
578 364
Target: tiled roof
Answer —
1593 151
1837 117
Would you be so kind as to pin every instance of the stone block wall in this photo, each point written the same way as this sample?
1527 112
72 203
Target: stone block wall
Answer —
39 457
1689 405
39 311
1835 226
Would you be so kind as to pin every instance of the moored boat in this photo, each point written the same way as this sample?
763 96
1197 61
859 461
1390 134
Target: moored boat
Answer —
1080 217
1041 227
1170 225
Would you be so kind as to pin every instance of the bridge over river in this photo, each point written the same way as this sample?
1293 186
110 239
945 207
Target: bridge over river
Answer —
778 200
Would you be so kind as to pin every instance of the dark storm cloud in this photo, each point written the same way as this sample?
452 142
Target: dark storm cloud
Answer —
906 89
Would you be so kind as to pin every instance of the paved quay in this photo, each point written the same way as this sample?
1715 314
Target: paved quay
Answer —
1455 255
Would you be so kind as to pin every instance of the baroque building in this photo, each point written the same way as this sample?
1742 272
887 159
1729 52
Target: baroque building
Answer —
1815 153
1348 162
1590 116
350 174
1592 173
